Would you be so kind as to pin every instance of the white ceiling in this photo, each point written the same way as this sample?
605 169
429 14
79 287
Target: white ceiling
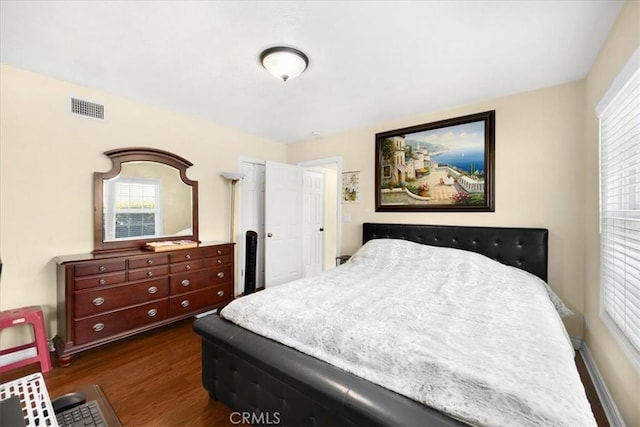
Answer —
370 61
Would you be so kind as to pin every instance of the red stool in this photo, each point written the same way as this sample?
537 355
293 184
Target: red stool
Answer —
33 316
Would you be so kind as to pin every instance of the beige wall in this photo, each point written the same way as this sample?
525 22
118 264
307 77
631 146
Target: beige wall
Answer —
614 361
47 160
539 173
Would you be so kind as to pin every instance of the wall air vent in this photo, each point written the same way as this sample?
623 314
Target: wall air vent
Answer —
86 108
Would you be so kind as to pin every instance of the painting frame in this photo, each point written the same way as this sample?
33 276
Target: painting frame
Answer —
423 168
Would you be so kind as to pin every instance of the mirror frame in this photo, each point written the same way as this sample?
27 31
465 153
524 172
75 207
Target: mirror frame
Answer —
132 154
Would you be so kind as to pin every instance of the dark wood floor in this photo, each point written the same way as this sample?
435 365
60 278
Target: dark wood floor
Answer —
151 380
154 380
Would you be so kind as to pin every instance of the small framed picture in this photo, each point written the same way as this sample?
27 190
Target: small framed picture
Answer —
351 187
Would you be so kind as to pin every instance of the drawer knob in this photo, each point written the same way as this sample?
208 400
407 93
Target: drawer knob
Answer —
152 290
187 267
98 301
102 281
220 293
152 312
219 261
98 327
185 282
102 268
149 261
188 256
220 274
185 303
149 273
219 252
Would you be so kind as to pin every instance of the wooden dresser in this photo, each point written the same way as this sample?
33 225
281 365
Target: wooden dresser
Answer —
106 297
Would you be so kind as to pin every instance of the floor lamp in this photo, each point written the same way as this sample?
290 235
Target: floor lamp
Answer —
233 177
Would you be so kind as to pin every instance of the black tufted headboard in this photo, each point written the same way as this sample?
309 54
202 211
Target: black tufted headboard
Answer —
525 248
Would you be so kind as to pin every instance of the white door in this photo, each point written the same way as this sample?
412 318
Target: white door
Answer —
313 222
331 169
251 218
283 223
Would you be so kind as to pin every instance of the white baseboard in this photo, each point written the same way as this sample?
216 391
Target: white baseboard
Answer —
576 342
16 356
609 406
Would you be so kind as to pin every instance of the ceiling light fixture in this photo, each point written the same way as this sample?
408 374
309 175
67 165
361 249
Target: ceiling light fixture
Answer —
285 63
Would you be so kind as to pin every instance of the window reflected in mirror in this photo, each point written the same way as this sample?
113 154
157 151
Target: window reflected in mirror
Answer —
132 207
146 199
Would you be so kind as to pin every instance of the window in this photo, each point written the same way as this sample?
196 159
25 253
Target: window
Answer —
619 114
137 208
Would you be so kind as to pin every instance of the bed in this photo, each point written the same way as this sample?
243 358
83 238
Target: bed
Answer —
289 378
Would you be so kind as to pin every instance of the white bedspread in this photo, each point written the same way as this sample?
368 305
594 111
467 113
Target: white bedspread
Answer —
452 329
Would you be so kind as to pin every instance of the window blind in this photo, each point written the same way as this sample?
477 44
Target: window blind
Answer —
620 207
136 208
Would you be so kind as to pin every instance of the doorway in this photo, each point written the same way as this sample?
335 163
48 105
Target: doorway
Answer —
252 217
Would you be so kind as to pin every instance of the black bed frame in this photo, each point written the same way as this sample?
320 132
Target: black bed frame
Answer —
524 248
277 385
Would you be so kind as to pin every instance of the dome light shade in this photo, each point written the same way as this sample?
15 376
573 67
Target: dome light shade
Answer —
284 63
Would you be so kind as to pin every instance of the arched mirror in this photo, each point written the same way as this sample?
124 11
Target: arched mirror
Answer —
145 197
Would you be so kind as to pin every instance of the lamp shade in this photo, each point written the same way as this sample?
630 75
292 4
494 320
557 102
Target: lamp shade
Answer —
233 176
284 63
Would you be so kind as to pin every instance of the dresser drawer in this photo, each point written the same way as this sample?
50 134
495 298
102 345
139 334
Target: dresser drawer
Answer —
92 302
188 282
197 300
189 255
213 251
219 275
149 272
100 280
103 326
186 266
219 260
148 261
99 267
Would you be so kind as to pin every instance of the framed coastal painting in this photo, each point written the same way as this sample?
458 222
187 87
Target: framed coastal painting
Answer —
443 166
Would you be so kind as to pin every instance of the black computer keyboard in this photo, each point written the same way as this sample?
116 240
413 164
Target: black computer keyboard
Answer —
85 415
